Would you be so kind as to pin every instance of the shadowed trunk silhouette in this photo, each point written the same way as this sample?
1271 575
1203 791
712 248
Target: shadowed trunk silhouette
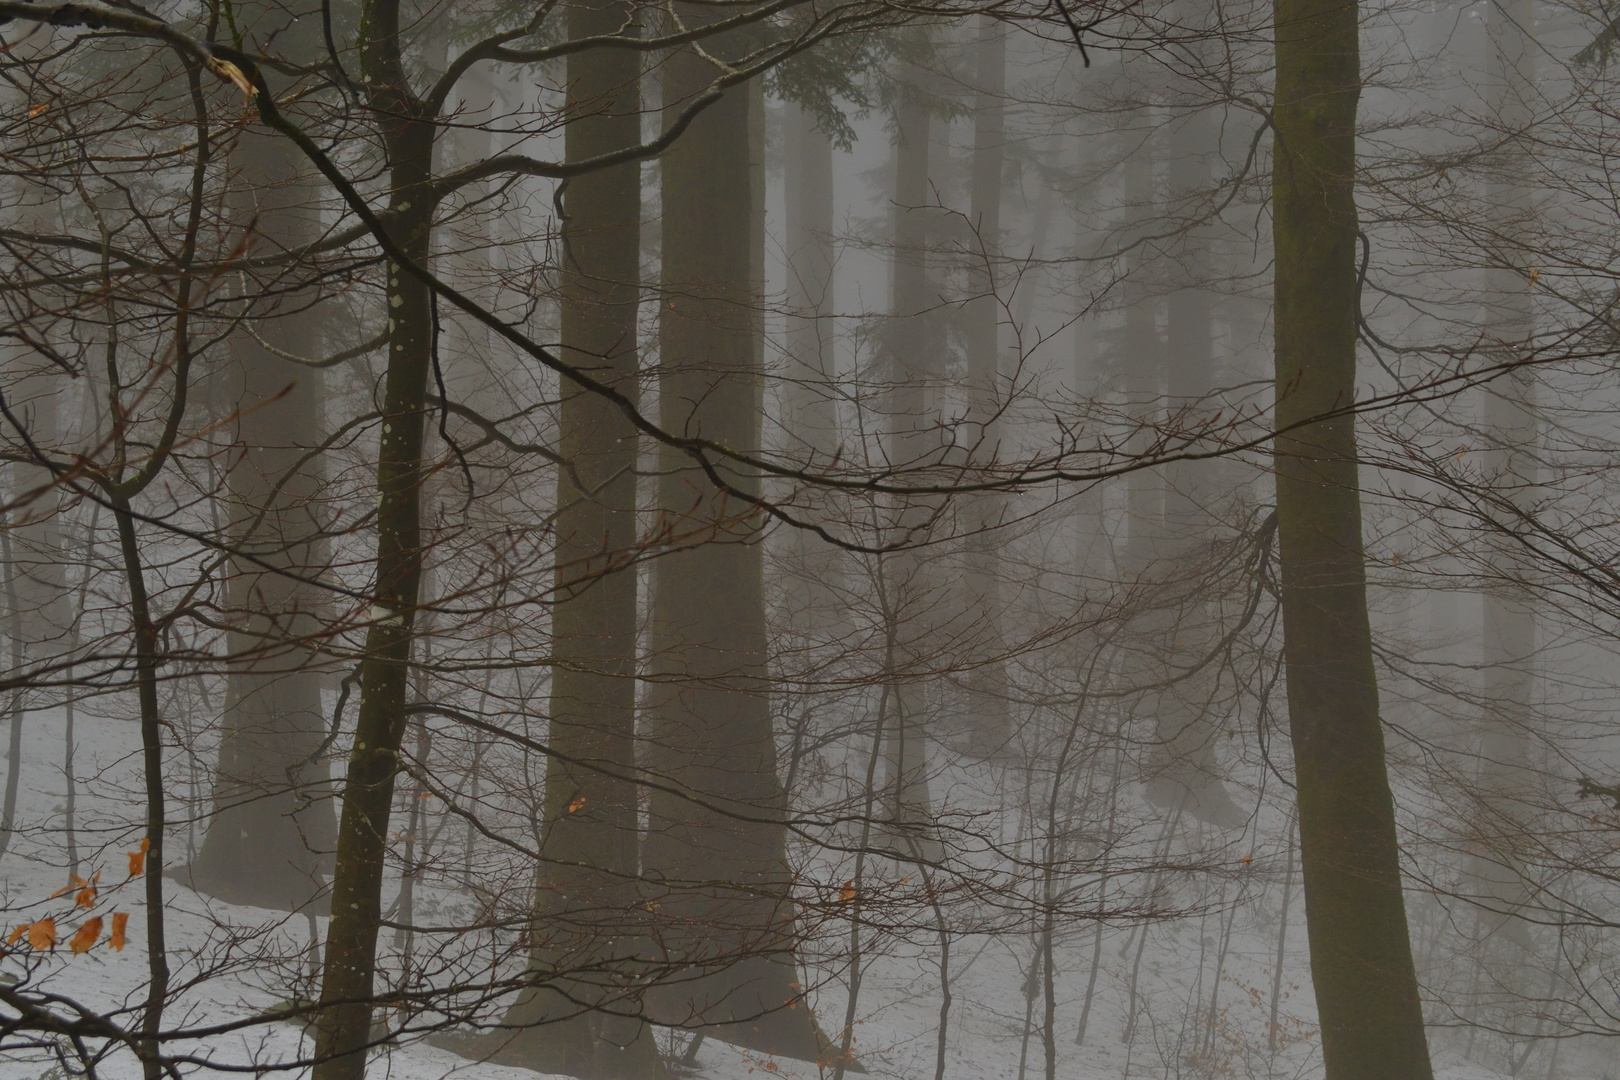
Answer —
716 864
1361 956
583 1017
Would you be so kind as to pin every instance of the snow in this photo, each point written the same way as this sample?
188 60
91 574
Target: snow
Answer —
232 963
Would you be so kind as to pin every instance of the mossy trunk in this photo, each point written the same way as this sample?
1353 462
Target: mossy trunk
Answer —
1361 957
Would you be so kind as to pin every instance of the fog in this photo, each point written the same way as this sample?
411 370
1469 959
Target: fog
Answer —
957 539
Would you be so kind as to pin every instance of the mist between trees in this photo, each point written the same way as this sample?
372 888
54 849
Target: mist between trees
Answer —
960 538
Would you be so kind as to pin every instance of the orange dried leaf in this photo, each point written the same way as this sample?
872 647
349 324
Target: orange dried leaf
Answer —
120 923
35 110
77 882
16 935
42 935
87 936
137 858
577 805
847 893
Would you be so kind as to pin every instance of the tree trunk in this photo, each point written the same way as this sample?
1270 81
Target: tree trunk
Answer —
914 346
580 1018
1139 557
343 1029
1361 956
717 872
1504 948
273 828
1185 731
989 717
39 610
810 394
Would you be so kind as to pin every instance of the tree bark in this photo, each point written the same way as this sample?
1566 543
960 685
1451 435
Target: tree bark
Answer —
582 1017
273 828
1361 956
39 613
717 874
343 1029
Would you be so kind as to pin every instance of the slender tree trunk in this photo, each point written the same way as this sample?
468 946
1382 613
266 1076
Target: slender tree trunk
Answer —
146 684
1272 1031
1220 971
857 884
14 632
38 604
347 986
1166 838
1361 956
1186 732
810 393
1496 873
1109 839
351 939
1031 988
414 856
582 1024
912 439
70 802
989 715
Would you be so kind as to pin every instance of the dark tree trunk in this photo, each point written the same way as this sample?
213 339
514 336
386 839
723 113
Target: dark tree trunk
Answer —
351 940
717 874
1361 956
585 896
343 1029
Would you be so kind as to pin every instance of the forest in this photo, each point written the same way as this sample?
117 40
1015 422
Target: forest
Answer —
679 539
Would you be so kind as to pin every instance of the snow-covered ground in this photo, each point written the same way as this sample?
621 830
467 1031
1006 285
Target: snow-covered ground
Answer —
231 963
